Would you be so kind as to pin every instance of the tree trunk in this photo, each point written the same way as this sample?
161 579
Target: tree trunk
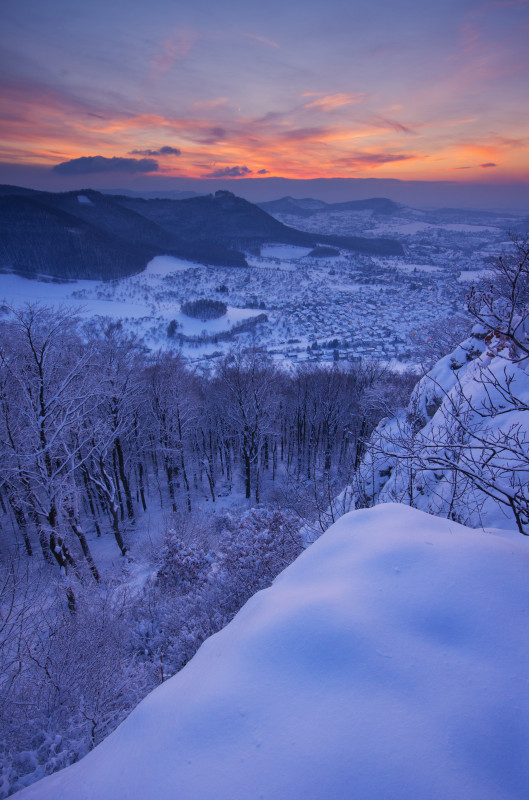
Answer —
76 528
91 504
22 525
116 482
186 482
247 474
141 485
124 479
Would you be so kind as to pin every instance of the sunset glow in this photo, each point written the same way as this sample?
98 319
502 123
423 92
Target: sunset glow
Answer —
299 91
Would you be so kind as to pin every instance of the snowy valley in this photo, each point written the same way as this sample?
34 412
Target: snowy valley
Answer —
302 307
178 523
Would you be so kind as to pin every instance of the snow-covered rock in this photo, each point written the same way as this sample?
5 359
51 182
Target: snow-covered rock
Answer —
461 449
388 661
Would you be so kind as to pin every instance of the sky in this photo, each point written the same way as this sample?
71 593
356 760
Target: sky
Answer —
115 93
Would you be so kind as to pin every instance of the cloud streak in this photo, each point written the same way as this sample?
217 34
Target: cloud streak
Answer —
229 172
393 125
333 101
375 159
262 40
166 150
90 165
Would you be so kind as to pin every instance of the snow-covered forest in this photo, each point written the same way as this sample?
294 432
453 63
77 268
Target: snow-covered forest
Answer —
113 572
143 502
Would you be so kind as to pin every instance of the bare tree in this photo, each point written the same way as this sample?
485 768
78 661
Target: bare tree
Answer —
439 338
246 383
173 405
120 362
46 399
465 440
503 306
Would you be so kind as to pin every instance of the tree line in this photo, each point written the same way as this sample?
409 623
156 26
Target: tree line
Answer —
93 428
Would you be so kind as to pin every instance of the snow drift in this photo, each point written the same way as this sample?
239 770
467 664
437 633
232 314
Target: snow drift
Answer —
388 661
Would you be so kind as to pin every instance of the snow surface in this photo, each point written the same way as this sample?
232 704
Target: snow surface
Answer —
388 662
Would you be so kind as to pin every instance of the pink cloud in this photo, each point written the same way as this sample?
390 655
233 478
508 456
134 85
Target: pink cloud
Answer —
332 101
204 105
172 49
262 39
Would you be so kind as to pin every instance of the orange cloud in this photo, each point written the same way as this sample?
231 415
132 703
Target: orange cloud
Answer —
44 126
372 160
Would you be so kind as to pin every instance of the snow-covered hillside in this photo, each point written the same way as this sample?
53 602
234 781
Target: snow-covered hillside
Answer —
389 661
461 449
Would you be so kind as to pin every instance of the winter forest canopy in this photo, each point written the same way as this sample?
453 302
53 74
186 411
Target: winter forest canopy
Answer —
97 434
99 437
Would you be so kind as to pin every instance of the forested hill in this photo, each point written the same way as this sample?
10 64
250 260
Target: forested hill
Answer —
86 234
237 223
306 207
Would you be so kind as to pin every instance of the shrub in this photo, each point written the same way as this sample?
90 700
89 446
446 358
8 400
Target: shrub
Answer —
255 549
184 567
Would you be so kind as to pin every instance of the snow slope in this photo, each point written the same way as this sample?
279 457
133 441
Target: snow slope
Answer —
388 662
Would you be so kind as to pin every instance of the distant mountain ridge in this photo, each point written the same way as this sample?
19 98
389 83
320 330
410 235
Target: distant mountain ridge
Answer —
87 234
308 206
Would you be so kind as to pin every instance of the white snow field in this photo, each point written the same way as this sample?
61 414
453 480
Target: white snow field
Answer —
141 301
388 662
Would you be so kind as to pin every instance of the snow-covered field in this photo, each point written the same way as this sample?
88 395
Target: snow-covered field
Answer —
284 252
471 276
140 301
388 662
